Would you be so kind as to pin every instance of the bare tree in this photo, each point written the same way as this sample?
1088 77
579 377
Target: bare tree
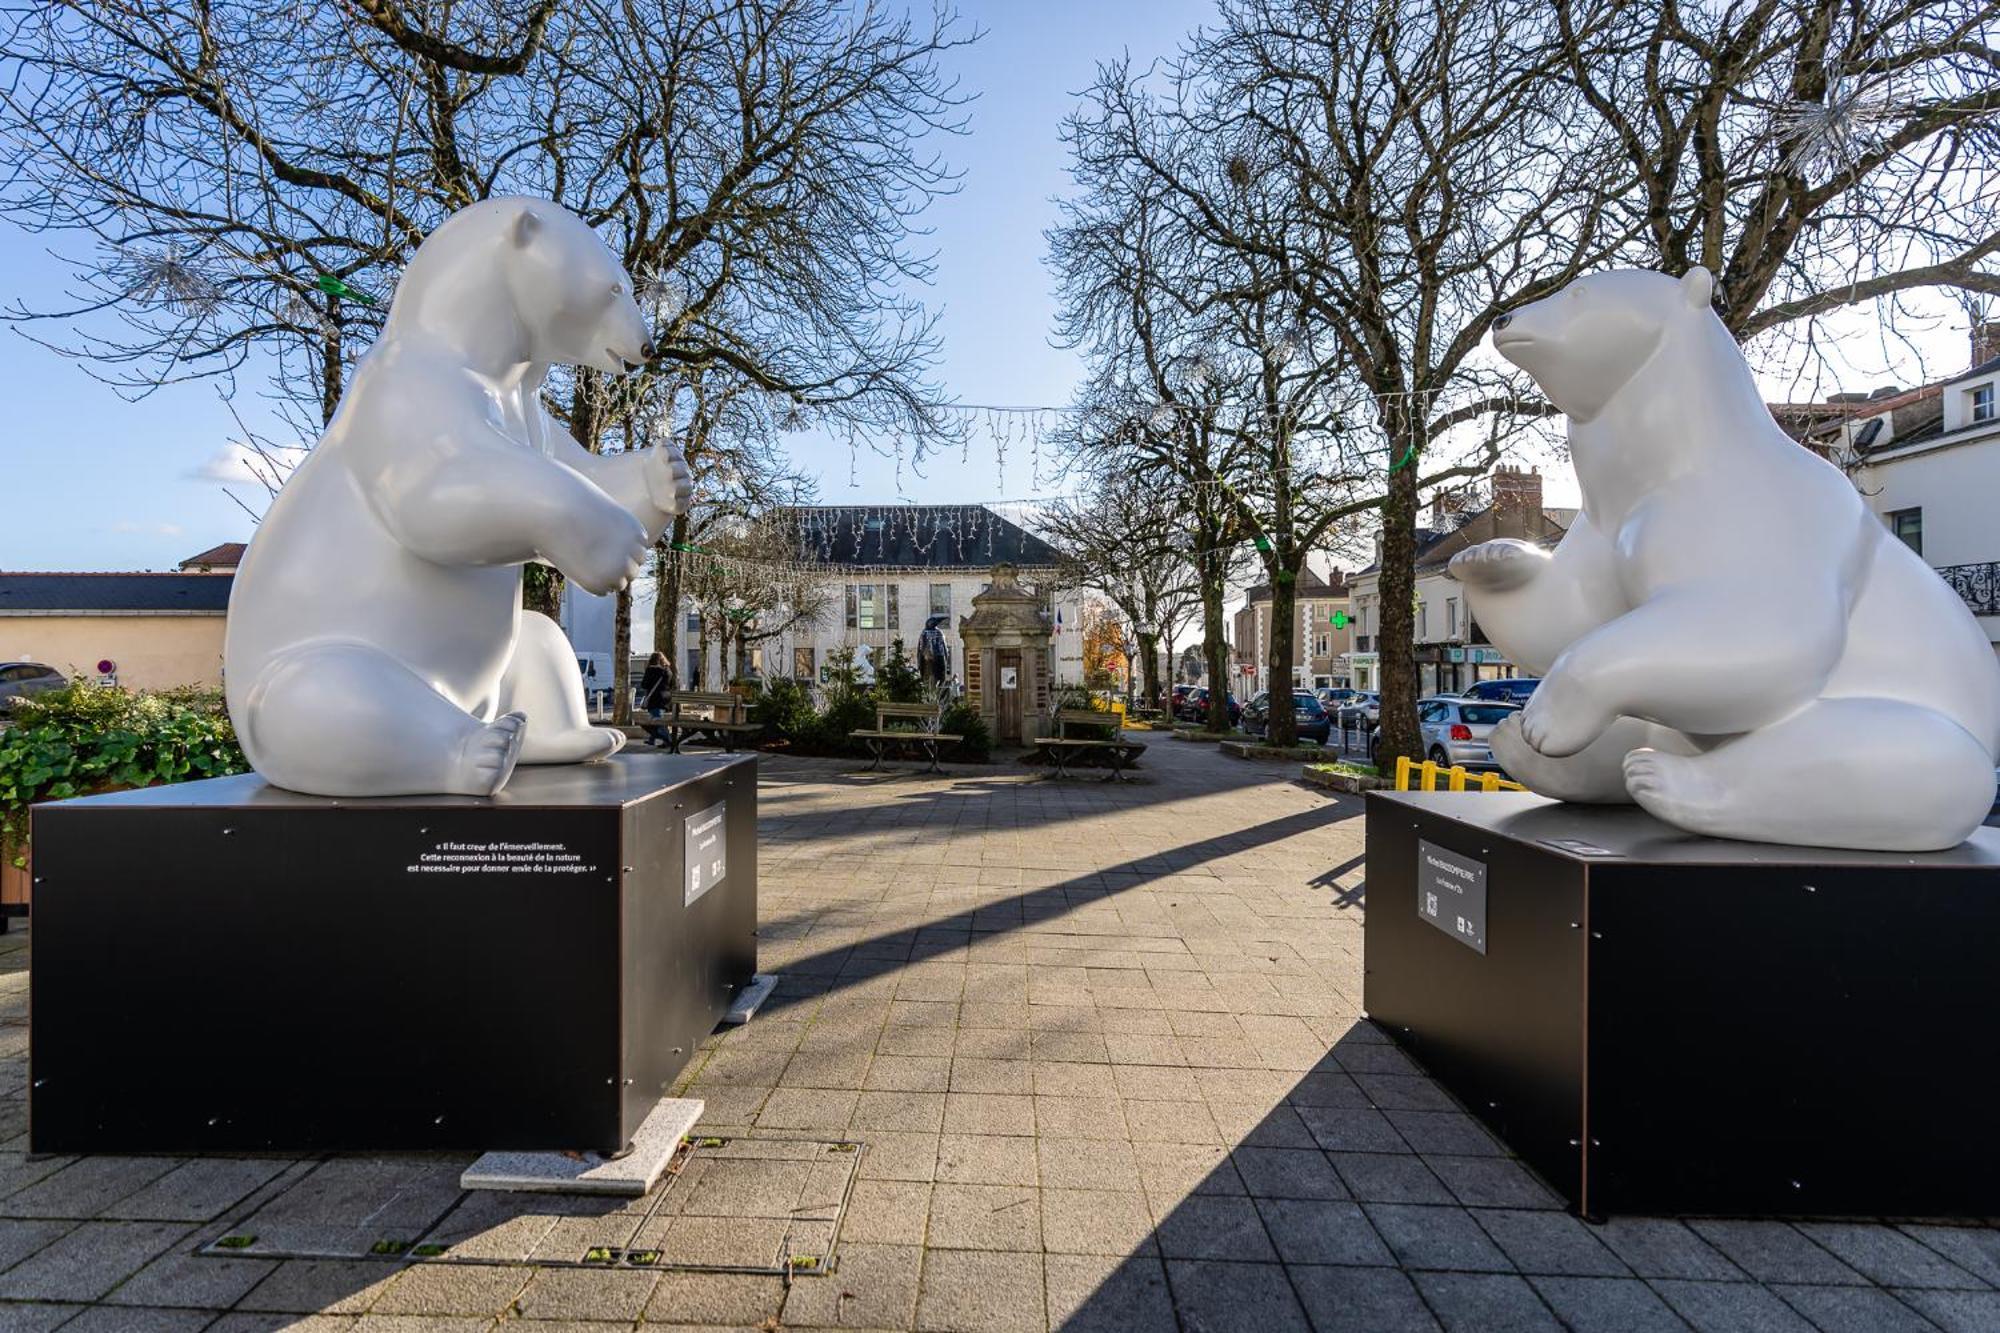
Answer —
750 583
1131 542
254 173
1333 198
1812 155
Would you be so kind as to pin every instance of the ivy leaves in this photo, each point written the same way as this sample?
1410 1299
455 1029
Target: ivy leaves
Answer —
86 739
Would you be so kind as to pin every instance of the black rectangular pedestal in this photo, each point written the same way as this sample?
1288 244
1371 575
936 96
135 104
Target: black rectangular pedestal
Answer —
1665 1023
224 965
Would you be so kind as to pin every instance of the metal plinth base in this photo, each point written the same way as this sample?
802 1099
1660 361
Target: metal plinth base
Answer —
632 1173
751 999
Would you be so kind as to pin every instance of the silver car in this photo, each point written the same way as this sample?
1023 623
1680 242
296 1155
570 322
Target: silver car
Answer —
1456 731
18 680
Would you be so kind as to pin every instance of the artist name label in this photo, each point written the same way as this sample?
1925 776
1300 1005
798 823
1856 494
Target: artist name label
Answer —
1451 893
705 850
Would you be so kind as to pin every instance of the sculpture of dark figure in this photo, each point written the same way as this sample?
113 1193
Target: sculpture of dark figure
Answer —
933 653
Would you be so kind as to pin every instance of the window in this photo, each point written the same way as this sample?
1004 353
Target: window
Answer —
870 616
694 622
802 664
1451 617
853 603
1908 525
892 607
1982 403
1423 623
940 599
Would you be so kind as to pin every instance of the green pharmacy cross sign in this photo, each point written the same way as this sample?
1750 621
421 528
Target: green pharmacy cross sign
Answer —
1340 620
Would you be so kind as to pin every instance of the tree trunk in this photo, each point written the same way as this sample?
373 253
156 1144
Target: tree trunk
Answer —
542 589
667 597
1397 584
1215 639
1281 727
701 653
621 659
1149 669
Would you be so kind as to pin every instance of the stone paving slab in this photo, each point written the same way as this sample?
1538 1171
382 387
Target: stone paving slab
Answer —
1098 1054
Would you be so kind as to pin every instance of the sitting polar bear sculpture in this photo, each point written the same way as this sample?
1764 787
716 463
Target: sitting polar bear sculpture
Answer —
1729 637
376 642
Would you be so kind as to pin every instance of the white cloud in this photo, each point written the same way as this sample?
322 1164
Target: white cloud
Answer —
237 464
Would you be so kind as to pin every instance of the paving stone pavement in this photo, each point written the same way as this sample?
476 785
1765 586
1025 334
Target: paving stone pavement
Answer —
1102 1045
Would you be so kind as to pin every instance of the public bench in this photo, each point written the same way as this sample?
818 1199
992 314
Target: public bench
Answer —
1062 748
718 717
903 727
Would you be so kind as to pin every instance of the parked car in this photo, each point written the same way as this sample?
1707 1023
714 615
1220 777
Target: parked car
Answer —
1313 723
18 680
1514 690
1364 710
1334 697
1194 706
1456 731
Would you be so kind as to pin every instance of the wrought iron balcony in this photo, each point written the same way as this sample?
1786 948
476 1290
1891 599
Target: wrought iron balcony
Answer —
1978 584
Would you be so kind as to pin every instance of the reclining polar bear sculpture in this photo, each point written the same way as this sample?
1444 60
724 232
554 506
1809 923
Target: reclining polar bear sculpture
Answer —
376 642
1730 638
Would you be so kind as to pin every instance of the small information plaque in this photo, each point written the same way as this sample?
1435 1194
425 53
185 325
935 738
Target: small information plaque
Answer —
704 851
1451 893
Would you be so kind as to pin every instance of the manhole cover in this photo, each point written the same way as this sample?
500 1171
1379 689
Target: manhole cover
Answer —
745 1205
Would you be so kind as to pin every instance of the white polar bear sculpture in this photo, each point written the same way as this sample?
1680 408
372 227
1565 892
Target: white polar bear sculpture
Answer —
376 642
1730 638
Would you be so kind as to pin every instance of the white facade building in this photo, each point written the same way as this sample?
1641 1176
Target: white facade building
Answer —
889 569
1928 462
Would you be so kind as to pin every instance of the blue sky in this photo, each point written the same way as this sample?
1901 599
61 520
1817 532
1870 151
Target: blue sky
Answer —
90 481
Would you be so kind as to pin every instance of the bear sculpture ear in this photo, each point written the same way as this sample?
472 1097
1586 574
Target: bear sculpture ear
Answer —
1698 286
526 224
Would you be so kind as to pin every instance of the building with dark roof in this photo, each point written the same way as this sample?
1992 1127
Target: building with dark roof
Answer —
917 537
888 570
146 631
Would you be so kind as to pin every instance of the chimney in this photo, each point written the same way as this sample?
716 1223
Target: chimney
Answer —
1985 341
1517 503
1449 508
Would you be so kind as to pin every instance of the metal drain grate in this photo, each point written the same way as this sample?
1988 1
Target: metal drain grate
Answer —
743 1205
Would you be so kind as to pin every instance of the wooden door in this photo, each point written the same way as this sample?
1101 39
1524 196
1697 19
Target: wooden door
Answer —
1010 683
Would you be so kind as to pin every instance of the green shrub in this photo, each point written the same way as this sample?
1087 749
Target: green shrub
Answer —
89 738
897 680
844 713
786 710
962 719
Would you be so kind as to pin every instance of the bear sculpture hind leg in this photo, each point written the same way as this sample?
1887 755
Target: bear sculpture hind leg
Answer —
1916 780
1594 775
542 682
345 719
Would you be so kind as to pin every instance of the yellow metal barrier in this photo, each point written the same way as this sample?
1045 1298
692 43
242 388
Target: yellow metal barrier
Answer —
1456 778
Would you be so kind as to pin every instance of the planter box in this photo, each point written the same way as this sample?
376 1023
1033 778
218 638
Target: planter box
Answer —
16 887
1347 782
1255 749
224 966
1662 1023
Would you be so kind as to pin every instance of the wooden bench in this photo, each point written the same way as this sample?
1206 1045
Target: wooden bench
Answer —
697 714
1062 747
923 735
